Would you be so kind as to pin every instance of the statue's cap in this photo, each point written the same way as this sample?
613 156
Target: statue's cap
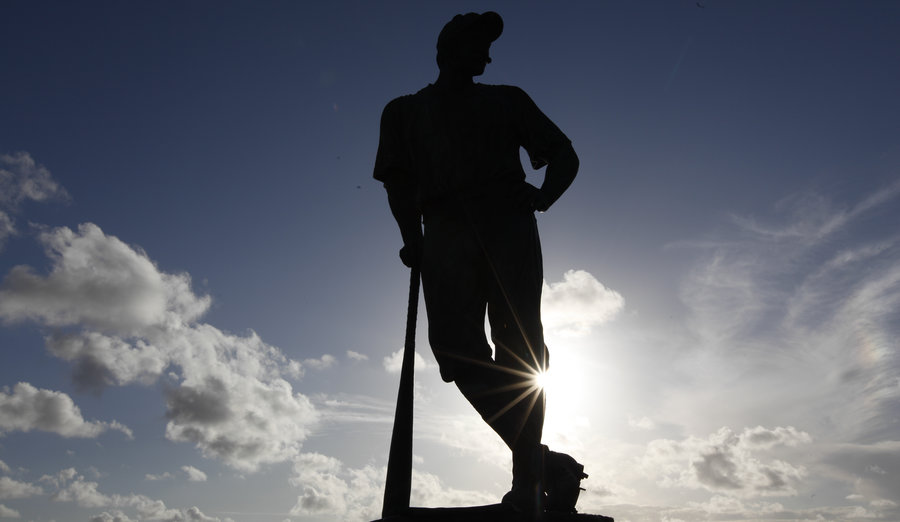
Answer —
485 27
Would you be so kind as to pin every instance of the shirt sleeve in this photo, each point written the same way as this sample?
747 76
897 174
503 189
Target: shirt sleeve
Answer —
391 161
539 136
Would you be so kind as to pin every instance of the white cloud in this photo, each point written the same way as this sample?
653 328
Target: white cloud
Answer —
351 409
644 423
194 474
101 360
326 361
162 476
74 488
4 467
194 514
727 508
7 227
726 462
60 479
116 516
99 282
578 303
356 356
137 323
21 179
328 488
393 362
464 433
6 512
10 488
28 408
83 493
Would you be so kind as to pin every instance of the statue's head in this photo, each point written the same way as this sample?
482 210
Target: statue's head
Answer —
465 42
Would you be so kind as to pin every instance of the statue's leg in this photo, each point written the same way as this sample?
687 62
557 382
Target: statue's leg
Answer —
455 296
517 333
514 312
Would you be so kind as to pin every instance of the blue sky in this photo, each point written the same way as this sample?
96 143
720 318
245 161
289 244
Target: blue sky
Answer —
201 304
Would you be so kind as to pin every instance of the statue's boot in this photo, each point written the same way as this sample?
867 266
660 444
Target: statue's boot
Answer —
527 494
562 481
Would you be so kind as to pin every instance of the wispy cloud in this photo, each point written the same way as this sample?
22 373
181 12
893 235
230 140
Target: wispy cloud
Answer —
321 363
21 180
161 476
801 313
789 301
812 217
872 469
6 512
348 409
356 356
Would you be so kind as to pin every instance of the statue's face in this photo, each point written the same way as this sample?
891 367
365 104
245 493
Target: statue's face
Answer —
471 57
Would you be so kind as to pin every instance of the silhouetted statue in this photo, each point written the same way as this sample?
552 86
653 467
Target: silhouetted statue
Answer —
449 155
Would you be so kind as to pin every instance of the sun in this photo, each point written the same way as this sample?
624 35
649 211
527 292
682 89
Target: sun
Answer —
565 386
542 380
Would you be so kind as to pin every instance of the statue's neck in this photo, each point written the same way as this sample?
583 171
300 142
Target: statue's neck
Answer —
454 81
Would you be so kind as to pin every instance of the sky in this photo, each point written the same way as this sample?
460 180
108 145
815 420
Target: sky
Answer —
202 307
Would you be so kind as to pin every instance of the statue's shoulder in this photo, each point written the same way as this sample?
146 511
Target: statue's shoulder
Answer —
506 93
401 106
398 103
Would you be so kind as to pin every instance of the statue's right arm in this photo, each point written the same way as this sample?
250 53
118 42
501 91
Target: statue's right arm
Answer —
392 169
409 219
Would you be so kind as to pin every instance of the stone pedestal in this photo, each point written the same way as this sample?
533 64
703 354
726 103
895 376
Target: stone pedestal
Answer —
490 513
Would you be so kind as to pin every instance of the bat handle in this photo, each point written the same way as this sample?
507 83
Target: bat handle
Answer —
398 483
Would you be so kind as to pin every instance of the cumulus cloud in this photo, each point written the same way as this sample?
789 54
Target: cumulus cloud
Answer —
74 488
10 488
578 303
121 320
27 408
60 478
116 516
21 179
728 462
329 488
99 282
194 474
4 467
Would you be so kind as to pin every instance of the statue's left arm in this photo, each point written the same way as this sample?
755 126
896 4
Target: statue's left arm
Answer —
546 145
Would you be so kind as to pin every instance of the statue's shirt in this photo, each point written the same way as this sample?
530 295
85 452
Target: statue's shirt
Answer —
450 144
